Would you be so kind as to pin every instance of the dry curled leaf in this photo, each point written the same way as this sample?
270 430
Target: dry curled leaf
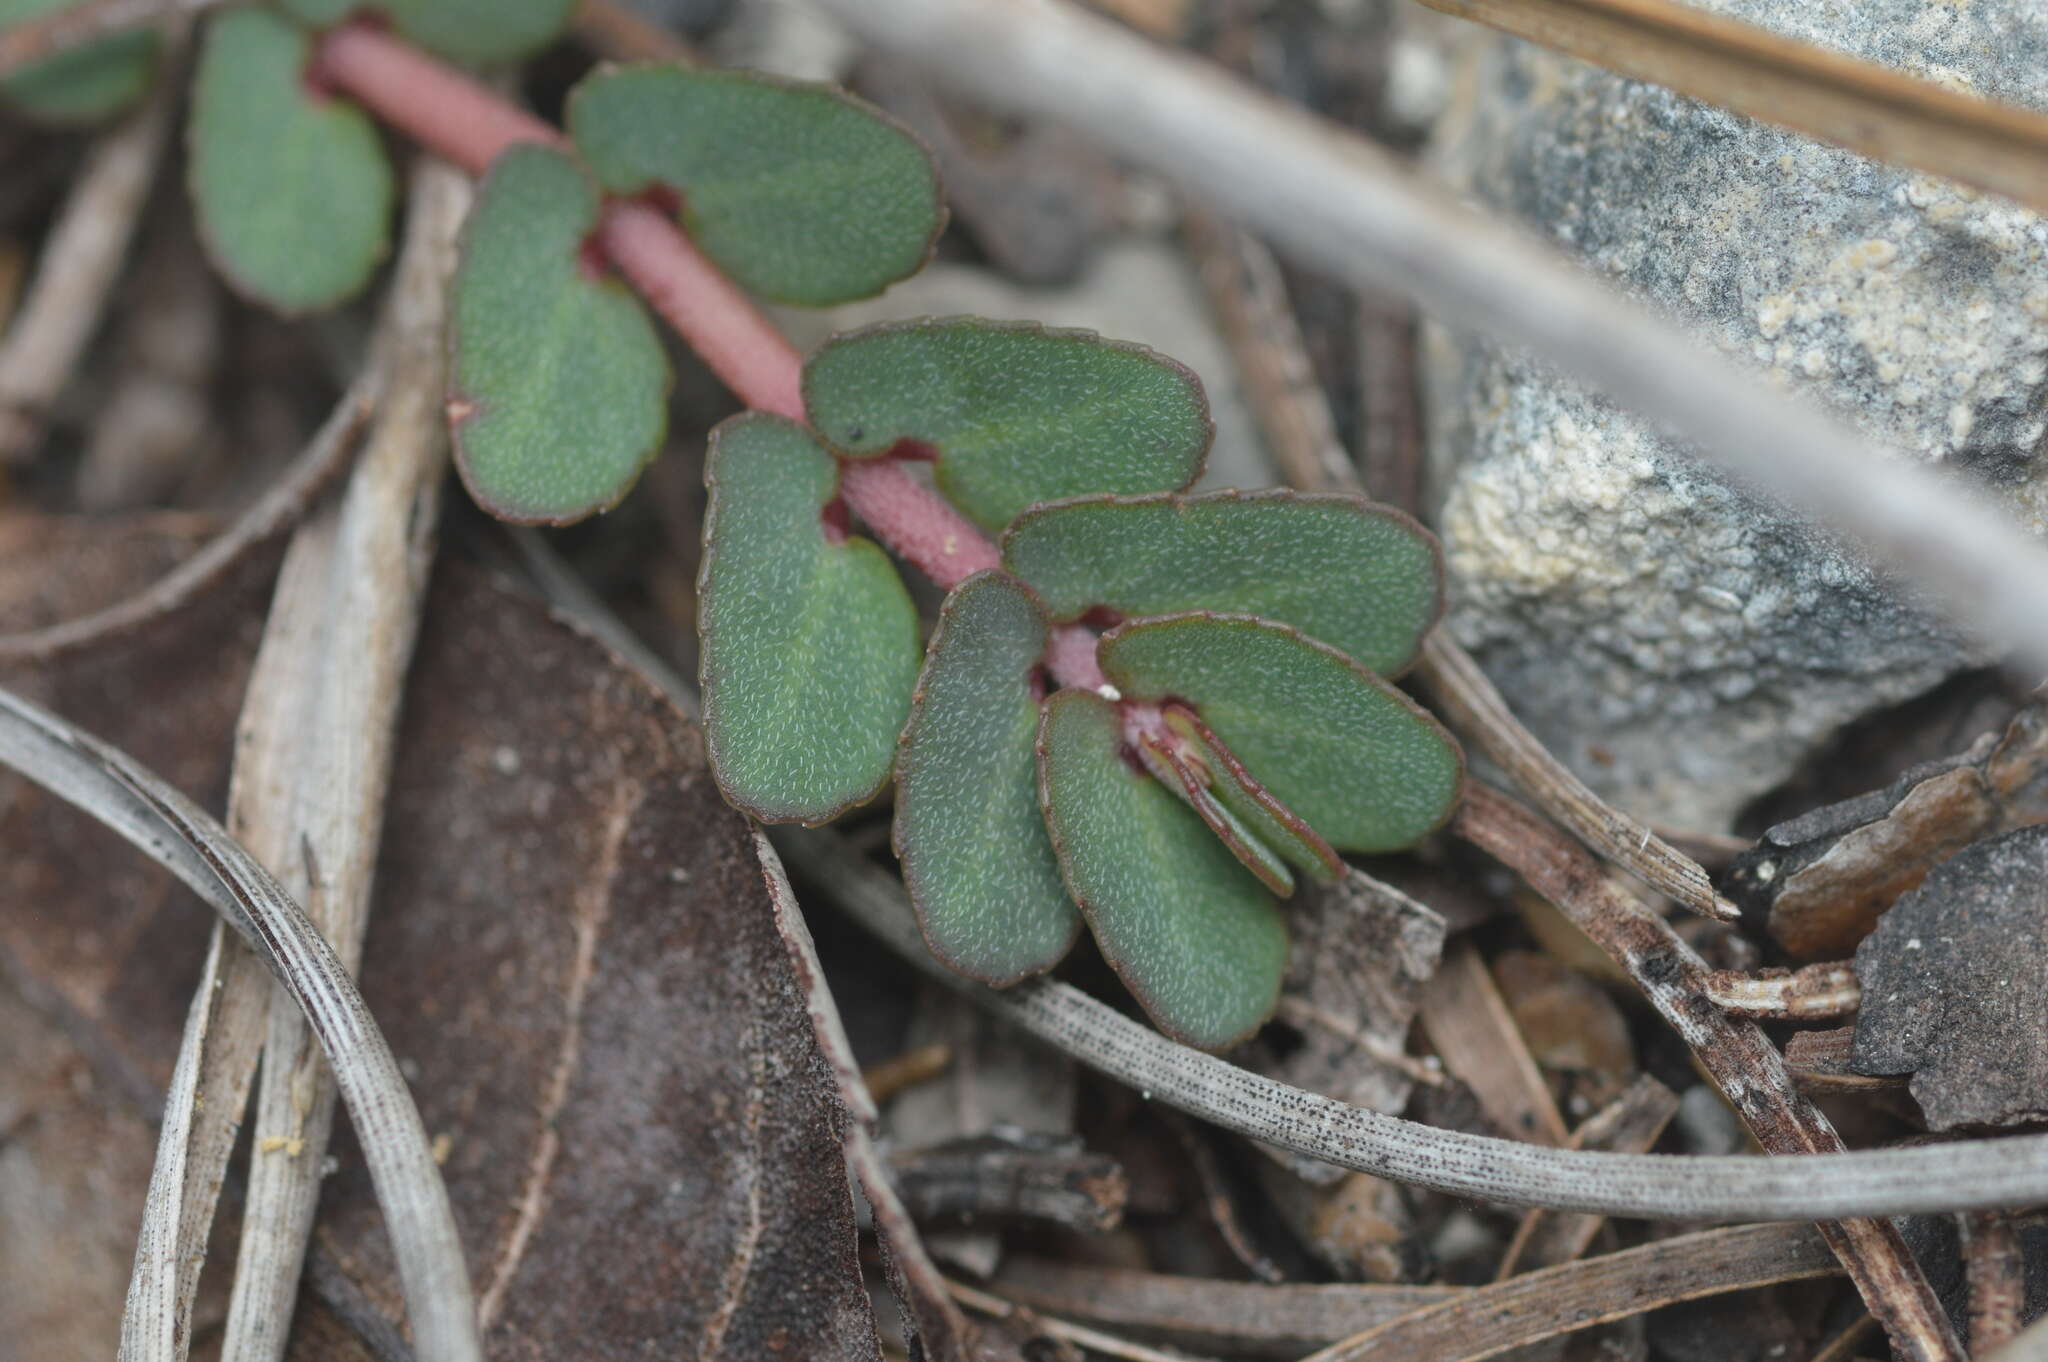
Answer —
1823 878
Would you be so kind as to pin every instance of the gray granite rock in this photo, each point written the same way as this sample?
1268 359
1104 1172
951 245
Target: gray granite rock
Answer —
1679 642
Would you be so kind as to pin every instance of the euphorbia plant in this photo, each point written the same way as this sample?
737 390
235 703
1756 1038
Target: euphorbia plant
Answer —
1142 709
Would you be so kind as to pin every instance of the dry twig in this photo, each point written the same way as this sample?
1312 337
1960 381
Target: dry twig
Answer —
315 742
1997 1273
1870 109
276 511
1079 1334
1540 1305
1743 1063
1812 993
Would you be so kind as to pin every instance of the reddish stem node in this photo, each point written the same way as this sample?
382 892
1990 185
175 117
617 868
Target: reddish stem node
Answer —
1070 657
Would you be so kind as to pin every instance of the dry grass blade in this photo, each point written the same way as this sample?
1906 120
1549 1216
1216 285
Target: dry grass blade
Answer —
1334 201
81 260
202 1116
1870 109
314 759
180 836
1280 1321
2011 1171
307 790
1743 1063
1559 1300
1474 707
1094 1340
325 455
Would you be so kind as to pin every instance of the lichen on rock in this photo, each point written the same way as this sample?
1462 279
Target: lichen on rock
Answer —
1681 642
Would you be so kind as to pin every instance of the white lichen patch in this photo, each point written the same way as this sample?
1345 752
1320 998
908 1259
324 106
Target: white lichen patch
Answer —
1682 642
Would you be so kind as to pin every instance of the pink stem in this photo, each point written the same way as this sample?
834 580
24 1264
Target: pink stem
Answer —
461 119
718 321
469 124
922 528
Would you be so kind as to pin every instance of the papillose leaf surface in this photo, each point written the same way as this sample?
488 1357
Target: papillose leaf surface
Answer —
1015 413
472 32
1363 578
559 380
801 193
319 13
91 81
1360 762
293 189
969 831
1197 940
809 648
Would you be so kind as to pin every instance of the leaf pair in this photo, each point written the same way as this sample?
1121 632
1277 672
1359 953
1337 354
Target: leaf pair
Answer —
1010 414
796 192
1011 811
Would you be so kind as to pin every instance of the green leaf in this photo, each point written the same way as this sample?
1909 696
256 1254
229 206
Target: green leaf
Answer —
1237 790
293 190
969 831
801 193
1194 937
472 32
1363 578
560 383
1014 412
810 648
1360 762
89 82
320 13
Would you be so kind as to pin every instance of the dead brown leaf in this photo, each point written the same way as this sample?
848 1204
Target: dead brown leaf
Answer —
571 953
